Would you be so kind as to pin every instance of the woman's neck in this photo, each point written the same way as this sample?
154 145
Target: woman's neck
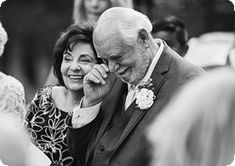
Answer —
65 99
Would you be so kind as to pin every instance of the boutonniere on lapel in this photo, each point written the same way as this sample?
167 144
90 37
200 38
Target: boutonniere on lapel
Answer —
145 95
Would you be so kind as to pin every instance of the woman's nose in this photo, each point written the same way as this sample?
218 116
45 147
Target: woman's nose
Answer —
75 66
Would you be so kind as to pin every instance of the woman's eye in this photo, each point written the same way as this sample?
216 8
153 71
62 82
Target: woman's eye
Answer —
67 58
85 60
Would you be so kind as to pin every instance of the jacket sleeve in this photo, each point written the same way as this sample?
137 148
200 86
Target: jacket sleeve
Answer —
79 140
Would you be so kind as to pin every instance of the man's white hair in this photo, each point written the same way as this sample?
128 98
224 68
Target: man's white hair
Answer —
121 22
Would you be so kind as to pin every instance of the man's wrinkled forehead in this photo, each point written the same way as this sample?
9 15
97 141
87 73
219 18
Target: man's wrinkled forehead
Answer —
111 47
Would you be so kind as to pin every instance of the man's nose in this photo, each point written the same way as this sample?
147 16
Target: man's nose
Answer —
112 66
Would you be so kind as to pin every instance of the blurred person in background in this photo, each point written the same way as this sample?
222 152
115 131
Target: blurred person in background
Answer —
74 56
12 96
92 9
89 10
15 146
198 127
211 50
13 138
173 31
14 142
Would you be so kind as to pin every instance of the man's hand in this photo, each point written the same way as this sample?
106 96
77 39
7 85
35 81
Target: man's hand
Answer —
97 84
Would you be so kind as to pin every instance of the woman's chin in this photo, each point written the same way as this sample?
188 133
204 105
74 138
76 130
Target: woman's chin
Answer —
75 87
93 17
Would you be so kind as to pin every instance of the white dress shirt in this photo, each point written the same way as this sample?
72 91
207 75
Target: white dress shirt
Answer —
83 116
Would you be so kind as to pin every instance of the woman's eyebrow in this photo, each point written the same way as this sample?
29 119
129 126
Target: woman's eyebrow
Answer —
86 55
67 52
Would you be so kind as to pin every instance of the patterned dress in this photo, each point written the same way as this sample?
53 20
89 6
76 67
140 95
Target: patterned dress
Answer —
47 127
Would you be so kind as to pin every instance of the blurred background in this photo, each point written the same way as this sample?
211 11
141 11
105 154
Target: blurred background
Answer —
33 26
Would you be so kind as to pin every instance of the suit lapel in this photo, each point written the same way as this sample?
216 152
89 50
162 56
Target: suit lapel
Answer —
158 80
107 111
109 105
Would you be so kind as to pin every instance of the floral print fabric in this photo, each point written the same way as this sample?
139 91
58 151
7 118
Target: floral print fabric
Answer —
47 127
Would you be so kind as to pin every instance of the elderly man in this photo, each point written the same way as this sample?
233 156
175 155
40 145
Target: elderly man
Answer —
109 126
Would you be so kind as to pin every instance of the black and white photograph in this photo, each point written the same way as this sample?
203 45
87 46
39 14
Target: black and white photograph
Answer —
117 82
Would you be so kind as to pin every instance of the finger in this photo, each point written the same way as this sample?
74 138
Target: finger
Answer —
101 70
97 74
90 78
106 68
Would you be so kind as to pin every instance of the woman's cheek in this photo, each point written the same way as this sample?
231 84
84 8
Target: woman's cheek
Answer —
87 68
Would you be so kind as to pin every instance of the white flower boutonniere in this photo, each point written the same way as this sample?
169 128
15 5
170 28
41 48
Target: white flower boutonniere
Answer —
145 96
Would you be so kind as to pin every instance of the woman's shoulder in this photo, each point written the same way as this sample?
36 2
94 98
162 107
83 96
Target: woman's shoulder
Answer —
11 84
58 96
41 102
12 96
10 79
42 98
49 94
44 92
58 91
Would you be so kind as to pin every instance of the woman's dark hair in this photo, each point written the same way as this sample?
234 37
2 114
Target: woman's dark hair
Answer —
80 32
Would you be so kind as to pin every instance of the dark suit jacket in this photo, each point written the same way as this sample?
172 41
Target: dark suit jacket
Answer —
92 145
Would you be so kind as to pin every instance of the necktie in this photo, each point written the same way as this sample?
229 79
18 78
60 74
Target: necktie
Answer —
130 96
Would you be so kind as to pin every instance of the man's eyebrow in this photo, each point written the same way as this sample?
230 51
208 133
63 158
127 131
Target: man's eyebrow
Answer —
118 54
115 57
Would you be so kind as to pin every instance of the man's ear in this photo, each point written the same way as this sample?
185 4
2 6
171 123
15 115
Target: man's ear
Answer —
143 38
184 50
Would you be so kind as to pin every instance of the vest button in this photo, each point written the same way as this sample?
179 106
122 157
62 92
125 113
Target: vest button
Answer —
101 148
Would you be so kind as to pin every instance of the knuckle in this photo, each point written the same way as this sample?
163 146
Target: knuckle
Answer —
92 72
96 66
86 78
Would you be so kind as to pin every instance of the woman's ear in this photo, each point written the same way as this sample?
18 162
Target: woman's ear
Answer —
143 38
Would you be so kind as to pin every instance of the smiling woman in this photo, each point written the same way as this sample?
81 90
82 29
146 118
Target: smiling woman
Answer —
77 62
74 57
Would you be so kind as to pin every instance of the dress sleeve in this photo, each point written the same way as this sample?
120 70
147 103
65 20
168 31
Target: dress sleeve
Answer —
36 109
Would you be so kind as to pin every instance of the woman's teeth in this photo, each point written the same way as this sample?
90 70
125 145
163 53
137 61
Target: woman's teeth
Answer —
75 77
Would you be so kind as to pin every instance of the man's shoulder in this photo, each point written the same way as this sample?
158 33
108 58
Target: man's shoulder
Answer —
181 65
179 70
